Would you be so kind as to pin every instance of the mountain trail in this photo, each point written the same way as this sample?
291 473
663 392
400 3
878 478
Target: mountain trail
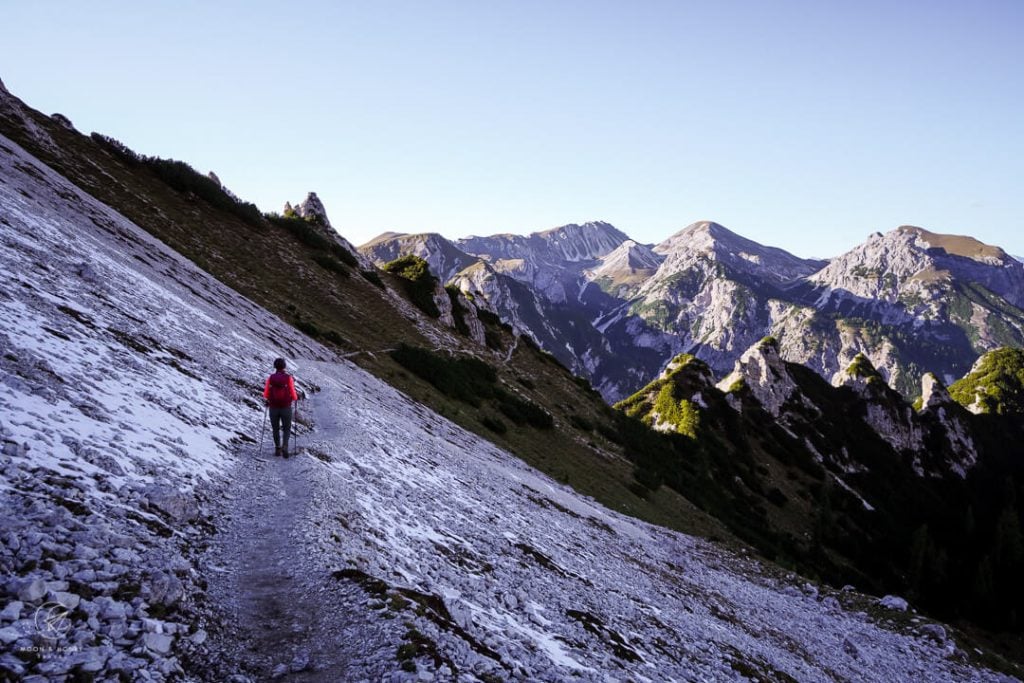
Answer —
285 616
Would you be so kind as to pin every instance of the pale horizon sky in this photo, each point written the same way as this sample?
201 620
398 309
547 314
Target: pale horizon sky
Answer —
803 125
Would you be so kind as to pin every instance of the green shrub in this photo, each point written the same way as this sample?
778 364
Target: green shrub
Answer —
419 283
183 178
583 383
682 414
581 422
332 264
609 432
307 327
470 380
494 424
335 338
522 411
463 378
493 340
488 317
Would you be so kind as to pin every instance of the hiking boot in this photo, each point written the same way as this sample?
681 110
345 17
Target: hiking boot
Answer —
278 451
284 452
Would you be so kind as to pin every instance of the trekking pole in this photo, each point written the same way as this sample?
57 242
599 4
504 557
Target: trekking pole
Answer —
296 427
263 428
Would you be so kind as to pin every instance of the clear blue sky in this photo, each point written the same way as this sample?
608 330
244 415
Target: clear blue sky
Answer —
805 125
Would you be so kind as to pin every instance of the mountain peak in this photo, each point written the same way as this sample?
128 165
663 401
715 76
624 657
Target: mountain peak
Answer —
625 268
711 228
444 258
689 362
383 237
707 239
583 242
910 262
588 226
707 233
954 245
568 243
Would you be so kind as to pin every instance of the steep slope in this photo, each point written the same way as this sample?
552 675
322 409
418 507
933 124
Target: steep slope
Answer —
294 268
922 476
444 556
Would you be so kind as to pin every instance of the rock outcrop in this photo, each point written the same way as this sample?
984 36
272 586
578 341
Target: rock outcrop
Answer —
312 209
951 418
763 371
887 412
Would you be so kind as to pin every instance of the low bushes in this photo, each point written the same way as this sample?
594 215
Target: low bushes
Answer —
419 283
471 380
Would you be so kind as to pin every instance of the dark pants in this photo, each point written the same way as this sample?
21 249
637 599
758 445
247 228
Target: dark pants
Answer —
281 417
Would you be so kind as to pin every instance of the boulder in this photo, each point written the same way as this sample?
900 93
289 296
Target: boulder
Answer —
111 609
176 504
894 602
934 631
28 590
90 660
12 612
65 599
158 642
163 589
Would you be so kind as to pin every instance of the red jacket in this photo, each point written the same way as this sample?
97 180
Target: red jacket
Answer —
280 390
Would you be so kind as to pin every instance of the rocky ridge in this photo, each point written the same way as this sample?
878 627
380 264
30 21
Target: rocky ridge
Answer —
910 300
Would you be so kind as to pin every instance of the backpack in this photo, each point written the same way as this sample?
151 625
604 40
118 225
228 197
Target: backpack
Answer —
279 393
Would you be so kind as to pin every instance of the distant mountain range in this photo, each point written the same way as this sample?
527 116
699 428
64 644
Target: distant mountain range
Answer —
617 311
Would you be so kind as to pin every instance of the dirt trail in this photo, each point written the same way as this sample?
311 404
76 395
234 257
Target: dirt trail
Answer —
286 617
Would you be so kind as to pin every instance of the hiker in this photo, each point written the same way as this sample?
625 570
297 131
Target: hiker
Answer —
279 392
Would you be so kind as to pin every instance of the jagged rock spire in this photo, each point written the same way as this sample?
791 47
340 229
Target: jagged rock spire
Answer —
762 369
933 392
313 209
